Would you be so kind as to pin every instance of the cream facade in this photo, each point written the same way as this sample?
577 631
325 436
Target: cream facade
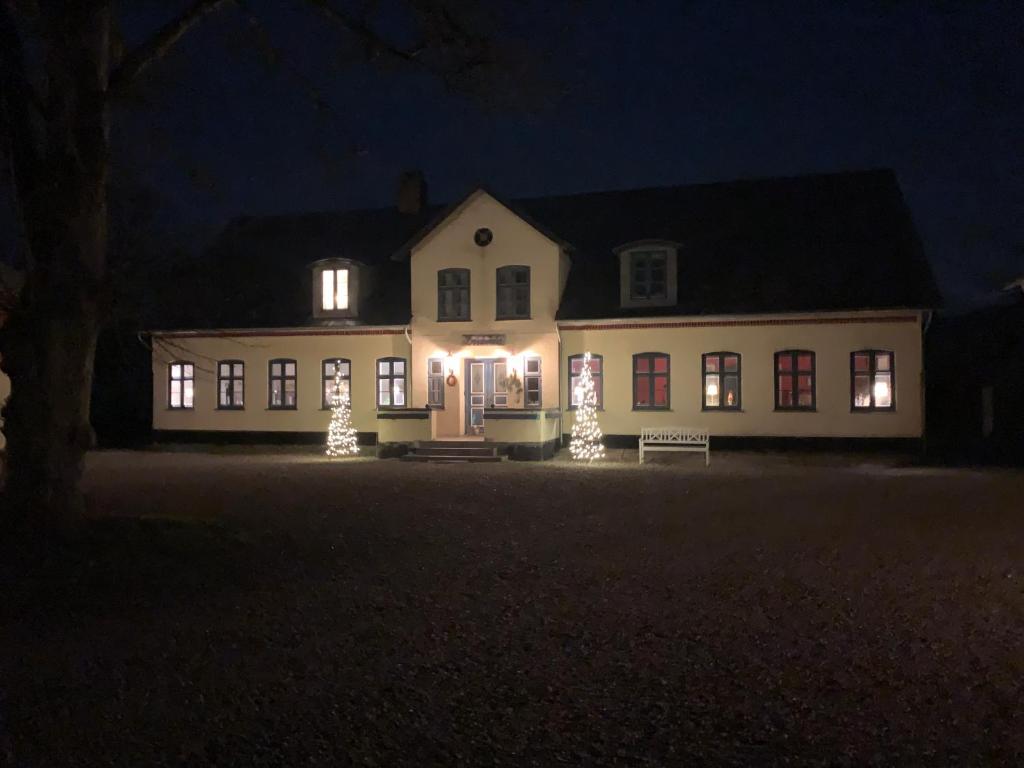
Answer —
487 349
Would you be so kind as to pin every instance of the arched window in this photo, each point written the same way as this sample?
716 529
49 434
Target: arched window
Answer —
721 380
328 368
795 380
283 385
513 293
873 380
651 385
391 382
181 376
596 370
453 294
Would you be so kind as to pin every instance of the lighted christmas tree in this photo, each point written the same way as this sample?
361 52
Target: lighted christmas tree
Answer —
586 432
341 435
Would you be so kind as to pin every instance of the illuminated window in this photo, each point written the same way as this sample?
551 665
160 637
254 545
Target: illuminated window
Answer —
181 385
794 380
513 293
596 370
651 382
328 368
531 382
872 380
453 294
721 378
435 382
648 275
391 382
231 385
334 284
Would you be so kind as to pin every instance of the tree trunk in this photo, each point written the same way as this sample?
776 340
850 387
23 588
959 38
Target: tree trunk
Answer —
48 344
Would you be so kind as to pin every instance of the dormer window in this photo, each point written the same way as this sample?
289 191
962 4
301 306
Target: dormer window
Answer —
334 285
337 285
647 273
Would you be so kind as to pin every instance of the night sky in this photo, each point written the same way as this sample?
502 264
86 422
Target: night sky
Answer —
631 94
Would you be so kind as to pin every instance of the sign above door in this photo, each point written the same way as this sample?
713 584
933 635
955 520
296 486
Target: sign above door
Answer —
497 339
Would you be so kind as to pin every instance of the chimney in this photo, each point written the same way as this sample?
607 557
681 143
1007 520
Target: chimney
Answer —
412 192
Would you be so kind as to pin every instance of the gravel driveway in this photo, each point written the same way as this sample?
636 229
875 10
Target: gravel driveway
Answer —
278 609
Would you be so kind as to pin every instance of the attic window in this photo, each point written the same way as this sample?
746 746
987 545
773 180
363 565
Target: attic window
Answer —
334 283
648 275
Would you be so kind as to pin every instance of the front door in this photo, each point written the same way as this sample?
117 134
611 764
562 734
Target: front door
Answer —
486 387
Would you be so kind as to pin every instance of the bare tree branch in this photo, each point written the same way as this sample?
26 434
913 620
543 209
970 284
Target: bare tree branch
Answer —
156 47
375 43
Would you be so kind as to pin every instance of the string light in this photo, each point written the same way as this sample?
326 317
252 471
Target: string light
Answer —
586 433
341 435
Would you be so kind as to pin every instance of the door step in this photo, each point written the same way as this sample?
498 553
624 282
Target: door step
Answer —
449 451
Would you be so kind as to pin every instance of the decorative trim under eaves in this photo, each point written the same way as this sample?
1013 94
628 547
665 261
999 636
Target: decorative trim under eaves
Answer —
641 325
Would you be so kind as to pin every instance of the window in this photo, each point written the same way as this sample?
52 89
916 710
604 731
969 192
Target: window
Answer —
391 382
282 385
334 285
453 294
531 382
330 367
231 384
648 275
651 381
873 380
513 293
794 380
181 377
596 369
721 373
435 382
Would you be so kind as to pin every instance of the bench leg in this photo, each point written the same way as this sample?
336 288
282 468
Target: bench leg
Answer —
707 457
641 451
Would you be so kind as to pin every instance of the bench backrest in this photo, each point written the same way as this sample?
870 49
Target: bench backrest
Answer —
674 435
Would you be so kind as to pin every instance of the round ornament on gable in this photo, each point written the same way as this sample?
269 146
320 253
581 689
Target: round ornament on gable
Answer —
483 236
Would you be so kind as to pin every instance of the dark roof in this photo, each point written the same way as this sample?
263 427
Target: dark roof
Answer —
823 242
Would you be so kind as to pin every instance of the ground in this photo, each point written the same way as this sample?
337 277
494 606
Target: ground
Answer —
279 609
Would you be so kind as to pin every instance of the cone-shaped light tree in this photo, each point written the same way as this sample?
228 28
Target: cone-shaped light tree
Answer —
586 432
341 435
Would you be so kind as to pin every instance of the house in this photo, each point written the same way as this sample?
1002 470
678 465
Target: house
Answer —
785 308
979 417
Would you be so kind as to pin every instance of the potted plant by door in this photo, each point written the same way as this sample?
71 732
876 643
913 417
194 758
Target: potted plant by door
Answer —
515 389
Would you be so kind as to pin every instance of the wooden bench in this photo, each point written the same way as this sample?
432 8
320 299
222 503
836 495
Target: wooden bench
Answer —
685 439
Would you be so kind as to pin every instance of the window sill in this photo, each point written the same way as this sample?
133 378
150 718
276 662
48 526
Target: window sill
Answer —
599 409
283 408
454 319
230 408
644 408
705 409
513 317
796 410
172 408
873 410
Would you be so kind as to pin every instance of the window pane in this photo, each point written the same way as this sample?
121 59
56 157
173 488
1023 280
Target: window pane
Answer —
785 391
275 392
398 367
341 289
225 369
574 395
189 399
289 369
436 367
711 363
805 399
275 369
399 391
533 392
500 378
661 364
732 391
239 367
804 383
731 363
289 385
862 391
175 394
599 391
883 390
785 362
383 368
344 365
595 365
225 388
643 364
661 390
882 361
576 364
860 361
805 362
533 365
175 371
642 387
238 389
328 370
712 390
327 283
